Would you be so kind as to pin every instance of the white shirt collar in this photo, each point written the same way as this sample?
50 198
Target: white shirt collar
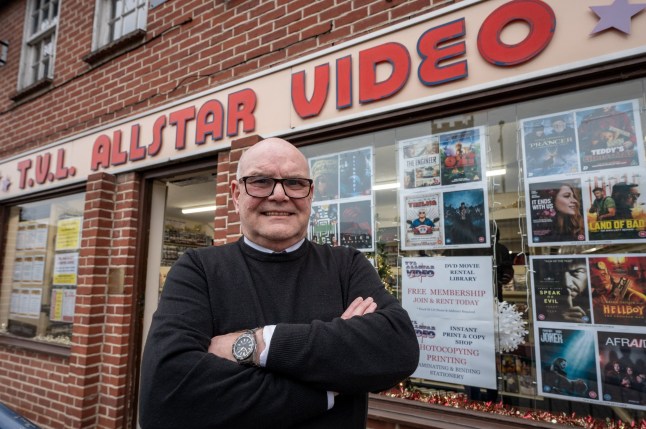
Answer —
264 249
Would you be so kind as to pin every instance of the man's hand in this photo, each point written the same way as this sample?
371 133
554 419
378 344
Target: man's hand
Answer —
574 314
221 345
359 307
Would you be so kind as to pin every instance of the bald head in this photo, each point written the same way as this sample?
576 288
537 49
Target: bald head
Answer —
271 148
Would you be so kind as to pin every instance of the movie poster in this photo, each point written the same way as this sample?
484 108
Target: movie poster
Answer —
556 212
567 360
608 136
622 365
461 156
342 208
355 225
561 289
618 284
452 309
549 145
422 226
615 206
355 169
325 173
464 218
419 162
324 223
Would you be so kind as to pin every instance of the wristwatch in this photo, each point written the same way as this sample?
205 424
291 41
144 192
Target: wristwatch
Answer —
244 347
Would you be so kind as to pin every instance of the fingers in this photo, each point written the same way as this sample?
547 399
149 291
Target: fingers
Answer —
574 314
359 307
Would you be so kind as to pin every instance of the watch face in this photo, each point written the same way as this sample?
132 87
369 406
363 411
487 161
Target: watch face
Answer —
243 347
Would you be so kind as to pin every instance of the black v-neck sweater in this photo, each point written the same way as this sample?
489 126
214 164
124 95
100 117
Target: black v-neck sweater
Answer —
223 289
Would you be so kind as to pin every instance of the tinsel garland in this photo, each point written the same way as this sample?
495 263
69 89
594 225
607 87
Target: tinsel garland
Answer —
460 400
510 327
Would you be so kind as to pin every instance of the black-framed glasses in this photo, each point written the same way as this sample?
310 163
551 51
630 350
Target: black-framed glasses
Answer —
262 187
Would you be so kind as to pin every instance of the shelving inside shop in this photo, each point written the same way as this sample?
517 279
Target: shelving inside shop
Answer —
179 238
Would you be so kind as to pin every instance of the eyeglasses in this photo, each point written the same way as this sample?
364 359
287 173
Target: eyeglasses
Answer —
262 187
634 195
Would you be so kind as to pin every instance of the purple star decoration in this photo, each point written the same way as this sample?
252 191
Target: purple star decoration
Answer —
5 184
617 15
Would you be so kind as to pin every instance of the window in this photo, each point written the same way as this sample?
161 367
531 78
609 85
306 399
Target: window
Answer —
581 346
38 290
40 42
118 18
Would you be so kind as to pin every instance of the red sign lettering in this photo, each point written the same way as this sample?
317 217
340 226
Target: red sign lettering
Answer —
392 53
307 108
428 46
541 22
240 108
179 118
209 121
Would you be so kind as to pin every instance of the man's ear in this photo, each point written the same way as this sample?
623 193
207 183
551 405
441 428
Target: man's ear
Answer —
235 193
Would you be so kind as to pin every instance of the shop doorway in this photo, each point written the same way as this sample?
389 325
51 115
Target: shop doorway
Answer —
182 217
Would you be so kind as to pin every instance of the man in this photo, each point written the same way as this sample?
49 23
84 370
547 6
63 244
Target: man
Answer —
422 220
575 279
612 288
561 131
328 332
625 196
603 206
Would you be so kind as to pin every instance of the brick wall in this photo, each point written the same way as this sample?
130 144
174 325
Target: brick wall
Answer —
191 45
99 383
34 385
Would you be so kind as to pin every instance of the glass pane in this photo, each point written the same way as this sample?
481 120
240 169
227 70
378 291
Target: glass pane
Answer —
526 371
129 6
141 18
117 8
115 29
39 291
35 21
129 22
54 9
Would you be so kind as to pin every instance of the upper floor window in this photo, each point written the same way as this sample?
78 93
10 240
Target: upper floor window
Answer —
117 18
40 41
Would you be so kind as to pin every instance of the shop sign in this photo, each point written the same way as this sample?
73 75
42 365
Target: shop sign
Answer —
467 47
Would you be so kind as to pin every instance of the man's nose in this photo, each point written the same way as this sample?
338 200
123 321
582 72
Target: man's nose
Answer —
279 192
568 279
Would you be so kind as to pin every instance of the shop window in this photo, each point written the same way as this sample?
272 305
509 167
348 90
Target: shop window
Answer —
41 269
485 225
39 46
117 19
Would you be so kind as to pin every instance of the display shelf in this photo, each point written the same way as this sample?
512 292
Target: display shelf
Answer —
176 242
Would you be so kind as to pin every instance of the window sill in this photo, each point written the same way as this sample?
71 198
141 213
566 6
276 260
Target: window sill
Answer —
118 47
32 91
408 414
12 341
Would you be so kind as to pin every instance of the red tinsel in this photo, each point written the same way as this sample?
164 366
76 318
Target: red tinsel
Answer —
460 400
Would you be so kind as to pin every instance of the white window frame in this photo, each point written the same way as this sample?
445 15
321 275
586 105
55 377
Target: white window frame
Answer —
117 18
39 42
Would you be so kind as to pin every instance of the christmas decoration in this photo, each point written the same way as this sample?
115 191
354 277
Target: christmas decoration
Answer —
510 327
460 400
384 269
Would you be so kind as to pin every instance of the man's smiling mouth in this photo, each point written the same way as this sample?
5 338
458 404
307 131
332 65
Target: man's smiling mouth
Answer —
277 214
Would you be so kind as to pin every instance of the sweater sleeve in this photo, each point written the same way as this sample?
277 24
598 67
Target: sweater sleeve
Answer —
363 354
182 385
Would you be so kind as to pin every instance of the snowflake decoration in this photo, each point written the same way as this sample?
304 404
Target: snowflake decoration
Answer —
510 327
